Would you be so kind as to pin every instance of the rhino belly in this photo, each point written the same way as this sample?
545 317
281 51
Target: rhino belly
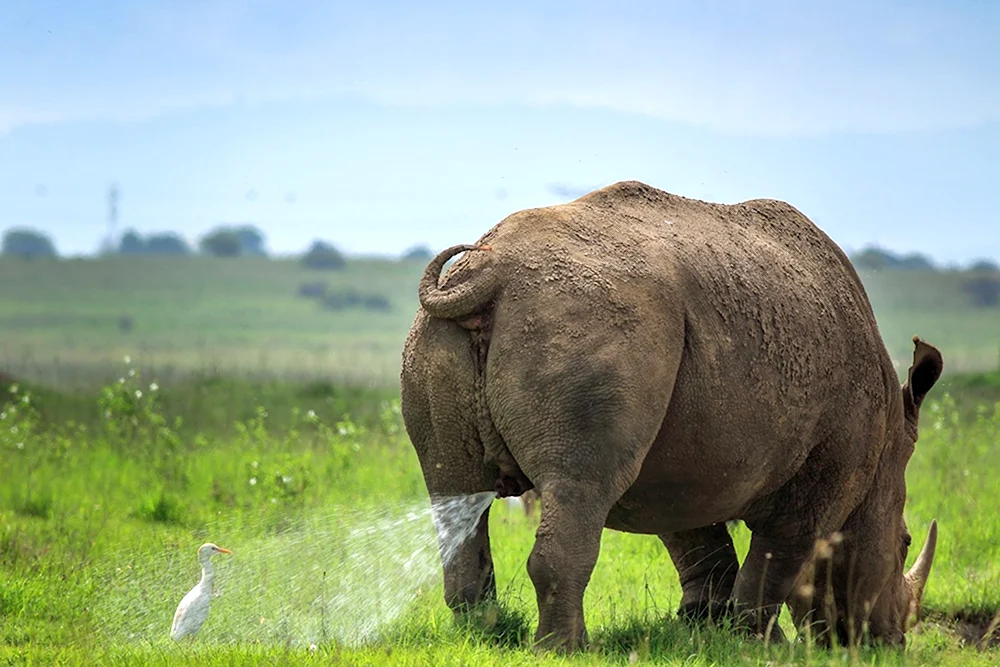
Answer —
705 471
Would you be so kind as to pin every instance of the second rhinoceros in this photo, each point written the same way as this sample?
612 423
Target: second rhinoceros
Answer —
661 365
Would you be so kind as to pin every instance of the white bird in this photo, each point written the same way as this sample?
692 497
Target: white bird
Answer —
193 609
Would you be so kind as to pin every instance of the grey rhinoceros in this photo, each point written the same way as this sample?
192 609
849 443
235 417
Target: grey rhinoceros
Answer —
661 365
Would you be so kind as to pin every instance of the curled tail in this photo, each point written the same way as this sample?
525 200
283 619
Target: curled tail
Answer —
460 300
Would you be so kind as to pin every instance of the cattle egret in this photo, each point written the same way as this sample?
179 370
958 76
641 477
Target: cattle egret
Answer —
193 609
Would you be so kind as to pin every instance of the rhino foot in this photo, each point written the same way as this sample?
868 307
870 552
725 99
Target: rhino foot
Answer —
578 639
760 624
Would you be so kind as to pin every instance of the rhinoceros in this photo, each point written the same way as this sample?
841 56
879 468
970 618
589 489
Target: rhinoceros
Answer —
656 364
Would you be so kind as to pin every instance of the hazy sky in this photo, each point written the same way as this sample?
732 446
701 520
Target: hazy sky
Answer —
381 125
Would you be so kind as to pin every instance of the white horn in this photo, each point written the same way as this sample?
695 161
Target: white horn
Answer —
917 575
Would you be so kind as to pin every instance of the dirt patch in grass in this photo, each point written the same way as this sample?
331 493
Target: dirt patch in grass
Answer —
976 627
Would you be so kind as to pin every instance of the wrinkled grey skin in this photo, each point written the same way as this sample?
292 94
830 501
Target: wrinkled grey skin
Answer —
661 365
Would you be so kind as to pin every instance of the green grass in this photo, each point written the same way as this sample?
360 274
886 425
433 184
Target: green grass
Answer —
106 497
274 430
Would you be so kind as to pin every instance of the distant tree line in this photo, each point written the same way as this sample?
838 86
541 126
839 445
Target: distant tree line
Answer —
980 280
222 241
874 258
980 284
233 241
164 243
247 240
877 259
228 242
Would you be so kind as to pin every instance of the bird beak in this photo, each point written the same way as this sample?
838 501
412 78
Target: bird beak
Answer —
225 551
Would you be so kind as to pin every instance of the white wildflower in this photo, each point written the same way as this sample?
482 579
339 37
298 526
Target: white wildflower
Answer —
3 415
13 388
20 445
107 414
121 380
25 399
128 359
274 501
311 414
153 386
13 429
254 465
131 372
286 479
253 481
138 393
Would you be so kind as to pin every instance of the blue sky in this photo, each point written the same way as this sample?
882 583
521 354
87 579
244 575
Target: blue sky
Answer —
381 125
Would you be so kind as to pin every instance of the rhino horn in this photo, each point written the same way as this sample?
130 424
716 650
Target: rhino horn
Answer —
917 575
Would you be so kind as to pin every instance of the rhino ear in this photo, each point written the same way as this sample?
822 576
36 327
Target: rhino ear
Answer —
925 371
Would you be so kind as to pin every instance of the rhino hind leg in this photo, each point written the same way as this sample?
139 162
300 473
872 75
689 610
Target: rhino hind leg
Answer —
580 417
567 544
575 503
706 562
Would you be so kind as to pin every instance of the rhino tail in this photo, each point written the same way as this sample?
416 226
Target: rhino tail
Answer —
461 300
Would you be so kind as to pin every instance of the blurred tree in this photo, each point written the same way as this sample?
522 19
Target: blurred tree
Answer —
252 240
221 242
28 243
873 259
131 243
321 255
915 262
313 290
984 266
418 253
167 243
157 243
877 259
351 298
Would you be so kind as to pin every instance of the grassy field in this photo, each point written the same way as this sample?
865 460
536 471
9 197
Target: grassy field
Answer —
107 495
60 319
932 304
253 417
